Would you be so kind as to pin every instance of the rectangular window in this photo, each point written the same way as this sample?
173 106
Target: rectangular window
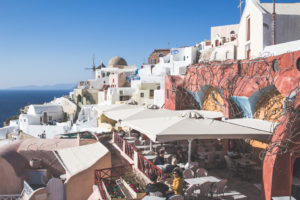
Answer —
167 93
121 92
153 61
151 93
50 118
142 94
248 28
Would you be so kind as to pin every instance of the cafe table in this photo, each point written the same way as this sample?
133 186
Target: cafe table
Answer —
201 180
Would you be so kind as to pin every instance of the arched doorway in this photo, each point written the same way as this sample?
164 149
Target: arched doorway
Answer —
269 106
213 100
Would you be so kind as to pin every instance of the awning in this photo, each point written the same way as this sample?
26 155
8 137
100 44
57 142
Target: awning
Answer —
133 112
100 108
76 159
180 128
123 112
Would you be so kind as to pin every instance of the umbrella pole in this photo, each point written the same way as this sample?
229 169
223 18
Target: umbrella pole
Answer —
190 152
151 148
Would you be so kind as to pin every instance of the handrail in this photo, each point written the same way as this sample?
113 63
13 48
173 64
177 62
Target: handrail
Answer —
118 141
147 167
129 150
108 173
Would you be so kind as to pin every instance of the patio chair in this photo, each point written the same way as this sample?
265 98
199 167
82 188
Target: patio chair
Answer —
189 192
201 172
219 187
204 190
188 173
176 197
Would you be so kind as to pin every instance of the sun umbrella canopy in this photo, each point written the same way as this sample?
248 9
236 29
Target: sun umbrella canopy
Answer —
181 128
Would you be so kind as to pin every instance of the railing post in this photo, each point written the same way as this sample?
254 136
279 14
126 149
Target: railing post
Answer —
135 160
124 146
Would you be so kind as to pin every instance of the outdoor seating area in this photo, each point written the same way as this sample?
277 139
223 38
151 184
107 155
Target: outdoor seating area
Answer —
233 163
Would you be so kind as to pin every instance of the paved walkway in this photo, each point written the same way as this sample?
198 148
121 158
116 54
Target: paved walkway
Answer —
116 158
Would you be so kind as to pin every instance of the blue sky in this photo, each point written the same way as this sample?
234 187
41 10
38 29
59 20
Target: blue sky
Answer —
52 41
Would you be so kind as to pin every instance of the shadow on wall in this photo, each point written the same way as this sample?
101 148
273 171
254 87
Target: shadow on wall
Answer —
264 104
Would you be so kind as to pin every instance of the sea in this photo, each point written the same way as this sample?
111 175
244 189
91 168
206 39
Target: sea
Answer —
11 101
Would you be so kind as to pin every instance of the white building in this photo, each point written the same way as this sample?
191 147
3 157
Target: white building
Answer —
175 63
116 74
122 94
68 106
144 92
44 121
255 30
223 44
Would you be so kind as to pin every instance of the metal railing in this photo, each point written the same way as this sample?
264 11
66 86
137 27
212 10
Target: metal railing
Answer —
147 167
129 150
109 173
118 141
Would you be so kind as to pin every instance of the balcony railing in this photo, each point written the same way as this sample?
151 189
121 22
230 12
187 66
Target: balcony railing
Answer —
147 167
118 140
109 173
129 150
143 164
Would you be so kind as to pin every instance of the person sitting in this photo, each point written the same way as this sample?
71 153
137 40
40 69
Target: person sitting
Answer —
180 156
177 185
160 160
154 188
169 168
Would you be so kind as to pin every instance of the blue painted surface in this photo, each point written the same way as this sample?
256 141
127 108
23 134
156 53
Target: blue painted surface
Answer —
247 105
244 105
200 94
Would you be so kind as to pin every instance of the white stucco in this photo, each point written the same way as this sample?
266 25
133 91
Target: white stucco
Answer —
275 50
260 14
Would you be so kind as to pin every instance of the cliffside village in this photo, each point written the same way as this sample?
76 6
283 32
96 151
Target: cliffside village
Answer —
224 113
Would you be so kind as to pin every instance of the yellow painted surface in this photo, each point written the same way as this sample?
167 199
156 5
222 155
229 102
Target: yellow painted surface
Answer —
213 100
258 144
105 119
269 107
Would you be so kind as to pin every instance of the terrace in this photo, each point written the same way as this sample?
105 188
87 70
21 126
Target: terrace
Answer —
200 141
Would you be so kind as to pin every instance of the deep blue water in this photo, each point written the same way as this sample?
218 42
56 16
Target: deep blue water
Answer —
12 100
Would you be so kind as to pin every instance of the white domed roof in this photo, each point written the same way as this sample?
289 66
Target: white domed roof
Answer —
117 61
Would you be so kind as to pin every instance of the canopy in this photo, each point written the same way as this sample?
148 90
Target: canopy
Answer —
179 128
133 112
123 112
76 159
254 123
106 107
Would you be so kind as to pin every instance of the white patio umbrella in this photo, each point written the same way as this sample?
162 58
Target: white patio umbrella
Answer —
174 128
